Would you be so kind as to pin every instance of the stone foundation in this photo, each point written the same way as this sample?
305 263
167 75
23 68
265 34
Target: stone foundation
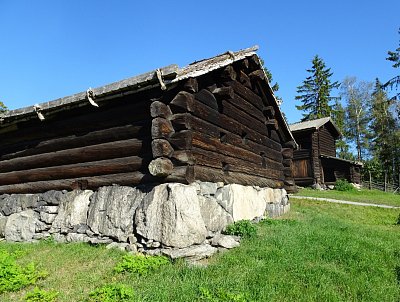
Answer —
174 219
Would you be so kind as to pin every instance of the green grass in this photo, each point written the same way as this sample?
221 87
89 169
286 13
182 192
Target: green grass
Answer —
363 195
318 252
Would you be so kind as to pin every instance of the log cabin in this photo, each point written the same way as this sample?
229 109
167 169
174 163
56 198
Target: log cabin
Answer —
315 161
215 120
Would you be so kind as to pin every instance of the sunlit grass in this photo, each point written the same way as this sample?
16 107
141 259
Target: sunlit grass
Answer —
318 252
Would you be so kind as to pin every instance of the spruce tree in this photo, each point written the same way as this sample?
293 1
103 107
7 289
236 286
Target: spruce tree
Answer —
3 107
393 83
315 93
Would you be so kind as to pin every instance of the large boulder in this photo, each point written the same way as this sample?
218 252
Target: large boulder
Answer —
21 226
72 211
241 202
215 217
171 214
112 209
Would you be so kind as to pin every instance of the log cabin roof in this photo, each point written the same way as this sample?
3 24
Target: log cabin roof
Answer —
164 78
356 163
314 125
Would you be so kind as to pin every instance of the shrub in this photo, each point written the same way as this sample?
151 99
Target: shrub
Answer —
140 264
343 185
112 293
221 296
242 228
13 276
39 295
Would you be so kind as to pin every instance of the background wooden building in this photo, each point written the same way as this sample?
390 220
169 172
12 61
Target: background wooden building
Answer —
214 120
315 161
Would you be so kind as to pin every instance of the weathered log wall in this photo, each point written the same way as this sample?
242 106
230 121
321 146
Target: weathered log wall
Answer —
222 130
81 148
221 126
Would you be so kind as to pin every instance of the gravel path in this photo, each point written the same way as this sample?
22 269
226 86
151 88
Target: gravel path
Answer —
346 202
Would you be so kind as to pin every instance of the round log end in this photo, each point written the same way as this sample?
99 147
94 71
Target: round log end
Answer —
161 167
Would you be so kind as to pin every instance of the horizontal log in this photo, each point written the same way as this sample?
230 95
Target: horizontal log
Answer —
205 142
109 166
179 174
77 155
80 121
159 109
32 147
223 92
247 107
181 140
269 111
207 98
161 167
228 163
161 128
274 135
185 103
187 121
217 175
257 75
246 93
287 162
161 148
272 124
287 172
290 144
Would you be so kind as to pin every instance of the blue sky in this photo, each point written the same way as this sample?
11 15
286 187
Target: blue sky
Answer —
51 49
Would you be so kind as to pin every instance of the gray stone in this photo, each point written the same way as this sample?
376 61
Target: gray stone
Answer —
155 252
154 244
132 248
41 236
117 245
47 218
100 240
225 241
58 237
208 188
112 210
194 253
215 217
330 187
41 226
48 209
74 237
54 197
3 222
241 202
20 226
10 204
132 238
171 214
72 210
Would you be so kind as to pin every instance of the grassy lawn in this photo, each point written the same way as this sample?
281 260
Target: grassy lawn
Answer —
364 195
318 252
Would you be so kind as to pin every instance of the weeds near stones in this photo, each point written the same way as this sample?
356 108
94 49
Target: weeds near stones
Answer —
343 185
13 276
40 295
112 293
140 264
242 228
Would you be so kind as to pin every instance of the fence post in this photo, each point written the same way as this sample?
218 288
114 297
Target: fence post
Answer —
370 180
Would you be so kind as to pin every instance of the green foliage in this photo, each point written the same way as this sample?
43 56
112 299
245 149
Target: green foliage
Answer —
343 185
13 276
398 220
3 107
315 93
221 296
393 83
140 264
39 295
242 228
112 293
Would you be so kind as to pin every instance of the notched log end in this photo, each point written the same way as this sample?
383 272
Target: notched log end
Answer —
161 167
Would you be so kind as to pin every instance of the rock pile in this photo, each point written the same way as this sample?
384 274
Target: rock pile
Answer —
173 219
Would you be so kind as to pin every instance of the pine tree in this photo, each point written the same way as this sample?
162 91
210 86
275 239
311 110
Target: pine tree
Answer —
315 93
357 97
385 131
275 86
394 56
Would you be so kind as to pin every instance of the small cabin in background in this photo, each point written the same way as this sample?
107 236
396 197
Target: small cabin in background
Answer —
215 120
315 159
